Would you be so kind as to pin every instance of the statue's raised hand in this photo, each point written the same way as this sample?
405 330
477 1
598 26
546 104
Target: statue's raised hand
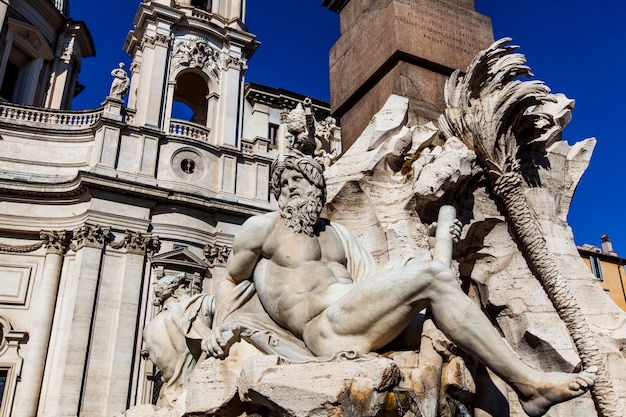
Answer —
221 339
455 232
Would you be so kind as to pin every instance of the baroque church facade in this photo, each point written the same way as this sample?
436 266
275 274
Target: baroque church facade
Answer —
98 205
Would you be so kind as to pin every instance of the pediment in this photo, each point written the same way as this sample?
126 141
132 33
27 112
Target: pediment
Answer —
30 39
181 258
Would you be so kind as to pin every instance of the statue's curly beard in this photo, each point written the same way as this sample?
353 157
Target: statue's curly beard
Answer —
300 211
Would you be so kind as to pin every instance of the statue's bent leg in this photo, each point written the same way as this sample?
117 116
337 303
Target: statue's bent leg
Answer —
375 310
466 325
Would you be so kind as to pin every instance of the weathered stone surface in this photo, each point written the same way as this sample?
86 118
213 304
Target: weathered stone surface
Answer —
212 389
449 165
319 389
409 47
488 253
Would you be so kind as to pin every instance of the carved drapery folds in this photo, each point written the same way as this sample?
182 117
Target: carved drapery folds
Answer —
138 243
216 255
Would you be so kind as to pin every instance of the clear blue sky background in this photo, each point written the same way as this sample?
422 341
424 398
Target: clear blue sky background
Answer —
577 47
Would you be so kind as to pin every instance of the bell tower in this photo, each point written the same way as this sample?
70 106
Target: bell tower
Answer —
192 54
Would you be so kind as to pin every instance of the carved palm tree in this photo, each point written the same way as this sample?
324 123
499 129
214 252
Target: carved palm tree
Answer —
500 117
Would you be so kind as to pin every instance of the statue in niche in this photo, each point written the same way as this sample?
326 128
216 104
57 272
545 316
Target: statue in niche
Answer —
297 284
172 339
121 82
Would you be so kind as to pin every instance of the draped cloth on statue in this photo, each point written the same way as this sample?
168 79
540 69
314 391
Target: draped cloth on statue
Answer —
242 306
173 338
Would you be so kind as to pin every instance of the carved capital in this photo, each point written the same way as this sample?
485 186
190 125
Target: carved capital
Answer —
93 236
55 241
153 245
158 39
138 243
216 255
235 63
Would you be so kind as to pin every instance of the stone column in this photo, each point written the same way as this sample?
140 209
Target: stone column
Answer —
135 79
111 360
62 74
229 117
8 44
154 64
42 312
4 5
66 372
169 102
30 88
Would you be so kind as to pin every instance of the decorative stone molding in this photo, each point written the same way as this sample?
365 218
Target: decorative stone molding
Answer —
216 255
198 53
55 241
235 63
135 66
9 337
5 247
69 50
151 41
12 361
138 243
93 236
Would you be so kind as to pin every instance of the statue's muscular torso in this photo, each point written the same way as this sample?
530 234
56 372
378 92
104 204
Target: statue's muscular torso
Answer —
298 276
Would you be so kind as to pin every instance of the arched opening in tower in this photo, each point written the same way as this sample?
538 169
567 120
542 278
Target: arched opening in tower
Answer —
191 98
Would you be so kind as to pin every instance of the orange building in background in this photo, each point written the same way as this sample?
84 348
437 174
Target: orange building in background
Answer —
608 268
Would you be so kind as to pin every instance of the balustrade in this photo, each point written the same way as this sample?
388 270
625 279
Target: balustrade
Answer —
50 119
189 130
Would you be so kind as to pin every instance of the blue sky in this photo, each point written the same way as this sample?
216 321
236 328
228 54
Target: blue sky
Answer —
576 47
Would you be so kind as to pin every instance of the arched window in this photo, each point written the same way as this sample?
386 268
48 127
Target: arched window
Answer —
181 111
191 97
21 75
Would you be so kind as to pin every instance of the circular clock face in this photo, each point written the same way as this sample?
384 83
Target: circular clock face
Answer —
188 165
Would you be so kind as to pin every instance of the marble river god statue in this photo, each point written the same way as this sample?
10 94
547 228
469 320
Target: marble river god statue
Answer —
306 322
314 280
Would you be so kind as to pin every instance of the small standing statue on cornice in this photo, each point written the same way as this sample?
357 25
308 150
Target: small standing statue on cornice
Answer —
120 84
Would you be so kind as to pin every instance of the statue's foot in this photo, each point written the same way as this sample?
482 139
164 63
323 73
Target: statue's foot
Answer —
554 388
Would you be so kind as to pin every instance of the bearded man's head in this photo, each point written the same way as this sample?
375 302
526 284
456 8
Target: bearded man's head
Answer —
299 208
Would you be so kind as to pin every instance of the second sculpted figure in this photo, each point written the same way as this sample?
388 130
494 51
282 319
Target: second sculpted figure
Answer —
311 279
